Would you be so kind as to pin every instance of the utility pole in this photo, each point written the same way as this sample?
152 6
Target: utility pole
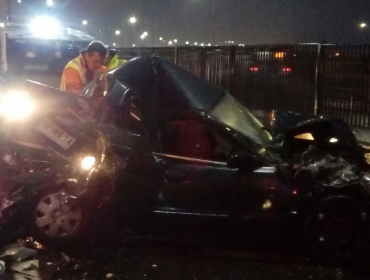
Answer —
213 21
8 13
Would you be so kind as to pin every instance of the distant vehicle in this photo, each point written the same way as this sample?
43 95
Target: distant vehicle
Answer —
38 56
270 66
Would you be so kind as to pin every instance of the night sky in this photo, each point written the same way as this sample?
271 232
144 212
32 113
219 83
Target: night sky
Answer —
241 21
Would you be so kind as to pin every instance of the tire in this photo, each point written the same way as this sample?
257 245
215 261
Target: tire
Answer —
54 222
332 233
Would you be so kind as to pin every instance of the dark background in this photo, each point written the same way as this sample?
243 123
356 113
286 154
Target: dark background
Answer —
241 21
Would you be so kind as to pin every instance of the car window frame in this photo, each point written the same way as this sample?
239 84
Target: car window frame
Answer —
202 122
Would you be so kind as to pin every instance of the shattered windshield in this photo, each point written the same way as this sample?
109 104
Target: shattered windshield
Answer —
230 112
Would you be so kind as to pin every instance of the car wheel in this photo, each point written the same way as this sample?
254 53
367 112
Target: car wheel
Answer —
331 235
56 221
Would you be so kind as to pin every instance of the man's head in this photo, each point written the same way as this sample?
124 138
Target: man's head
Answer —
94 56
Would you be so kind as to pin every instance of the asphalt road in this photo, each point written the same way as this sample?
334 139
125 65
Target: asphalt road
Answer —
163 260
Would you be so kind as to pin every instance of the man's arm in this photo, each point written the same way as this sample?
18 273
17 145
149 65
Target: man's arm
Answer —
72 80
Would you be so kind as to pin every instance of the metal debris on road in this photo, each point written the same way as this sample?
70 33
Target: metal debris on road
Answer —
2 267
17 253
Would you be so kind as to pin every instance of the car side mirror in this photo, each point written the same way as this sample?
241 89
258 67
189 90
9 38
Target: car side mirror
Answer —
243 160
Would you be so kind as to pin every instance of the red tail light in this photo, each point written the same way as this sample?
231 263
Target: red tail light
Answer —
287 69
254 68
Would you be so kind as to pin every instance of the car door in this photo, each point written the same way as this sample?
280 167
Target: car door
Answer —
197 181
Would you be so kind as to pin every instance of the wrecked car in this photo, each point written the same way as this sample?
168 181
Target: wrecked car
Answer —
51 161
199 165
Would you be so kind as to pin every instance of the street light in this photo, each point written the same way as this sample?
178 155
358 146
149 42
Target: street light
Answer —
170 42
118 32
49 3
195 43
84 22
19 1
363 25
45 27
133 20
2 25
114 44
144 35
187 42
134 45
175 40
160 38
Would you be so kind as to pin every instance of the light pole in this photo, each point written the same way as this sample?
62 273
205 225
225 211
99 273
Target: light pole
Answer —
213 21
9 12
118 32
132 34
143 36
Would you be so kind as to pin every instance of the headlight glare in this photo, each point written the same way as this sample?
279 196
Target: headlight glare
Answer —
16 105
87 162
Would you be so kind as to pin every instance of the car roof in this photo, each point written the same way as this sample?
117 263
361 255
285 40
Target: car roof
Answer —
169 86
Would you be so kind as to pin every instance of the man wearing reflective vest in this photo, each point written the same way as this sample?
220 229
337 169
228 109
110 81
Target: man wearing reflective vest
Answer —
113 61
82 69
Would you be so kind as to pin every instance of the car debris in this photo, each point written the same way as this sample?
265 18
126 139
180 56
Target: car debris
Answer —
325 169
2 267
17 253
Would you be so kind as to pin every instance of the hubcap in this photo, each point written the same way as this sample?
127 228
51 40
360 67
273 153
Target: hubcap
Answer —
56 217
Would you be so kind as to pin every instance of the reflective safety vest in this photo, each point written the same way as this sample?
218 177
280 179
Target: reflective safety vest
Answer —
76 64
115 62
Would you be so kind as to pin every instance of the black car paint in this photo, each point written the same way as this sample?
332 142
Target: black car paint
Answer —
160 193
193 190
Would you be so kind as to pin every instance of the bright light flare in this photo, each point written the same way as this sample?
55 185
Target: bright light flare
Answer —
333 140
16 105
133 20
363 25
84 22
88 162
118 32
49 3
45 27
2 25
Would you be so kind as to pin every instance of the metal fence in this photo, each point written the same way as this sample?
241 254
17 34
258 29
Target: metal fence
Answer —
329 80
